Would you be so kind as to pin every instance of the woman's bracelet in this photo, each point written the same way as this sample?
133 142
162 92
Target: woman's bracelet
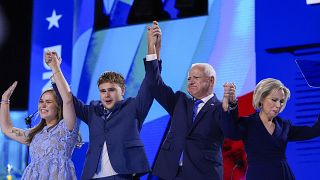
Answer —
5 101
52 76
56 72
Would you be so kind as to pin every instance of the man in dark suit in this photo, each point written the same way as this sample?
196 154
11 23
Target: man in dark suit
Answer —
192 147
115 148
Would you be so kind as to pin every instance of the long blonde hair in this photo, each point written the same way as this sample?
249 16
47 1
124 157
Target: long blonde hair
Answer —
42 123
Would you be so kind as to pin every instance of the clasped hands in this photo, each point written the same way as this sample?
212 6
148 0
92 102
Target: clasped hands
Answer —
229 96
52 56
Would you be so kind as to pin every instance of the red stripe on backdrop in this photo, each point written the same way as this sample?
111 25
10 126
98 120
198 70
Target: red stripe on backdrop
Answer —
234 157
245 104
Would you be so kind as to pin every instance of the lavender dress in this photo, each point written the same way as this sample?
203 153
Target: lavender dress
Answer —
50 151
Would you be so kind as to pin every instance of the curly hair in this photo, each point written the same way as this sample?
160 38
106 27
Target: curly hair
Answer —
112 77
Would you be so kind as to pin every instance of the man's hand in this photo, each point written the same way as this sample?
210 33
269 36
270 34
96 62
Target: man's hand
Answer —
229 96
154 39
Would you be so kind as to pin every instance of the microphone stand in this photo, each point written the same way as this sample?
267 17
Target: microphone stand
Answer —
28 123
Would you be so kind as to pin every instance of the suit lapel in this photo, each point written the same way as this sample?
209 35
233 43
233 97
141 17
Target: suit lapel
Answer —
116 108
190 112
277 133
209 106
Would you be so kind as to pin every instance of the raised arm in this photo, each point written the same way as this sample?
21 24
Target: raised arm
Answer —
299 133
5 120
229 101
230 126
144 97
53 61
160 91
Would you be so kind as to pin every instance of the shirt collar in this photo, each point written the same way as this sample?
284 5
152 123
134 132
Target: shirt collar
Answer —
206 99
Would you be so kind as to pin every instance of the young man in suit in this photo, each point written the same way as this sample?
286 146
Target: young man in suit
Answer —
115 149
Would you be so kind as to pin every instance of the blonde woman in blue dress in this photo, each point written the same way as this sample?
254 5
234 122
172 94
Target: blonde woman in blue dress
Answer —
266 135
53 139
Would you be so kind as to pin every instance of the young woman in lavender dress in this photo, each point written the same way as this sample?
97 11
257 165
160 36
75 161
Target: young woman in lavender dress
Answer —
53 139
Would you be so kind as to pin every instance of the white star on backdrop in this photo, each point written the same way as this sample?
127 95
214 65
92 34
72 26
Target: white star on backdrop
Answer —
53 20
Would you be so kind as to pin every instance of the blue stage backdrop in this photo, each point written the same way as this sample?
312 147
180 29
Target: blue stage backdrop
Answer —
241 39
13 154
223 36
282 36
95 36
244 40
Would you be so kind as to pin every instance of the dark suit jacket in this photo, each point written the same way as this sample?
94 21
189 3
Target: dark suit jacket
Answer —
121 132
201 141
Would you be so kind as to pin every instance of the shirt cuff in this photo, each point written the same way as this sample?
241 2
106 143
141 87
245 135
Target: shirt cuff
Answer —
233 105
151 57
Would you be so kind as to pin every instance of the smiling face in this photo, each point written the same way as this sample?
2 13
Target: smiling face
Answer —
110 93
272 104
200 84
48 107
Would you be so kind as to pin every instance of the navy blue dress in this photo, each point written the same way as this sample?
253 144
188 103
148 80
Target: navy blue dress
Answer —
266 153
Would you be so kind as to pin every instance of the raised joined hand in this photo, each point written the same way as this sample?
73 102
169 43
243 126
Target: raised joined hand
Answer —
154 38
52 59
229 96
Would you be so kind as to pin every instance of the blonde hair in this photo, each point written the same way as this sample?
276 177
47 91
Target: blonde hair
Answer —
42 123
265 87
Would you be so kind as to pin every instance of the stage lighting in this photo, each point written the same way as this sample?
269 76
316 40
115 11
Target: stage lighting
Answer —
313 1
